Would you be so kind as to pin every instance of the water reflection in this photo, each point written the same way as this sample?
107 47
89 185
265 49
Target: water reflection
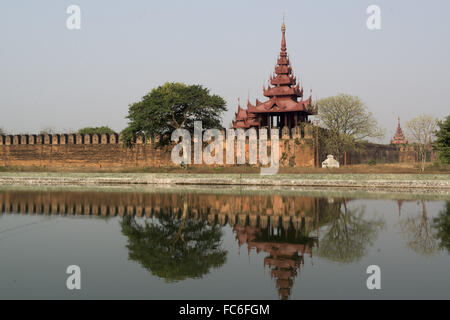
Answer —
173 245
179 236
442 226
284 251
419 233
347 233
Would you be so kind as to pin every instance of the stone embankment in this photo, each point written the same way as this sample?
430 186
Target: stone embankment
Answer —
363 181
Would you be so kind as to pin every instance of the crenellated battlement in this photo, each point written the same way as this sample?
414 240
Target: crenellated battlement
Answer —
304 132
59 139
78 151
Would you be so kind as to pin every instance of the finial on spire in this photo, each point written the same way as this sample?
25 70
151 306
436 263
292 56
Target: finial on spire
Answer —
283 26
283 39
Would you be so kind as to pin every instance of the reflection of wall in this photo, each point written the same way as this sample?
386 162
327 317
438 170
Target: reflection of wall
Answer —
256 209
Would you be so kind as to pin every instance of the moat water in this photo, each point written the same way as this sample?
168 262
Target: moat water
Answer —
219 244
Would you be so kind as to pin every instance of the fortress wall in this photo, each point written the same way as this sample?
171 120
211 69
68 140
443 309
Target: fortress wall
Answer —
407 155
106 151
70 150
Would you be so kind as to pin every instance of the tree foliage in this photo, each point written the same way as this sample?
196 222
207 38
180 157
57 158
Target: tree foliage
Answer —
96 130
347 121
442 226
443 140
2 132
420 131
175 248
172 106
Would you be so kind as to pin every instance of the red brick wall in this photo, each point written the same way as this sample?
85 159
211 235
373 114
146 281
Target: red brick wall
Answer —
105 151
68 151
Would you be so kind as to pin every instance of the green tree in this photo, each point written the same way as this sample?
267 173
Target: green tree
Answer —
443 140
96 130
169 107
347 121
442 226
174 248
420 132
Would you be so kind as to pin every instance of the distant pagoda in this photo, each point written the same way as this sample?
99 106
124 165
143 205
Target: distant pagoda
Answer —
283 105
399 138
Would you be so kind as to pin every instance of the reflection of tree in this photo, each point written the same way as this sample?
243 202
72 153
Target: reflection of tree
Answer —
348 234
442 226
419 233
175 248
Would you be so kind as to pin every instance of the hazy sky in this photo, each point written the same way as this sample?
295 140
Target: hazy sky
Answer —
66 79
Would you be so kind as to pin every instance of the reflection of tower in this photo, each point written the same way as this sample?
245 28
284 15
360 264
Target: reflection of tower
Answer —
284 261
399 203
286 249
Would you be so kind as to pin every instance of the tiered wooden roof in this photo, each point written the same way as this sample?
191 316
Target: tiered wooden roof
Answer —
284 92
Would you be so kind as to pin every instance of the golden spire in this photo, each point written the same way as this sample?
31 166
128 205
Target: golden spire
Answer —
283 26
283 39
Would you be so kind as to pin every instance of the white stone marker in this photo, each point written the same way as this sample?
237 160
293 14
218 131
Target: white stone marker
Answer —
330 162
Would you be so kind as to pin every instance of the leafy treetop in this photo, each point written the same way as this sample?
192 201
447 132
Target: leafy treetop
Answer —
172 106
347 121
